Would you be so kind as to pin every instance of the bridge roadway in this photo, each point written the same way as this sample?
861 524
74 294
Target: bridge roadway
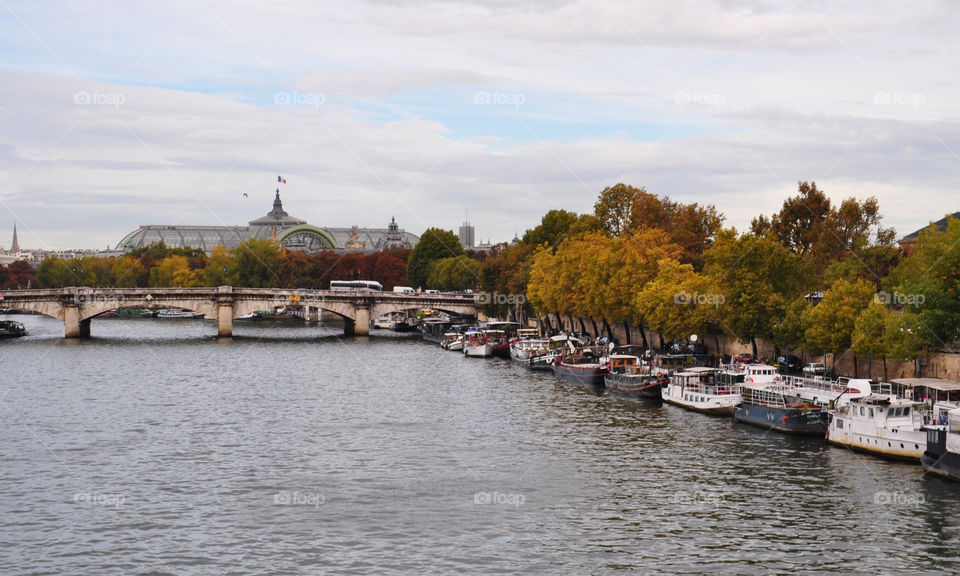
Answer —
77 306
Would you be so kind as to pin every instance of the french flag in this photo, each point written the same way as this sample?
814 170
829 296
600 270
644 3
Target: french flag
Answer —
281 180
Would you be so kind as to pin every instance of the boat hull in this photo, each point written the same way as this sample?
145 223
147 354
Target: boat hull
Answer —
787 420
588 375
937 459
904 445
478 350
638 386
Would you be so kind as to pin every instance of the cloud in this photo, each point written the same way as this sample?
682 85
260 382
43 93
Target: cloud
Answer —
169 113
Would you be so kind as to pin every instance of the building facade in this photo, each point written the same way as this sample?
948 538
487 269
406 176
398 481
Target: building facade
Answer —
293 233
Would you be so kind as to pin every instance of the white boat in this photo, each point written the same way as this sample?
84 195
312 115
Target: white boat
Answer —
173 313
452 341
524 349
881 424
384 323
482 344
699 389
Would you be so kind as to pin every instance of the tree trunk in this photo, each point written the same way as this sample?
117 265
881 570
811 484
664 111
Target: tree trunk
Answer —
753 342
626 331
856 370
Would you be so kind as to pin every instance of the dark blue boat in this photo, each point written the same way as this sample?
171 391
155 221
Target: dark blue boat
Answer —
775 408
942 456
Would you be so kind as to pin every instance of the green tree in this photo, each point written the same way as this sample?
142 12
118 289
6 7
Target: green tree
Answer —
927 282
457 273
128 272
56 273
553 228
757 278
830 323
869 334
434 244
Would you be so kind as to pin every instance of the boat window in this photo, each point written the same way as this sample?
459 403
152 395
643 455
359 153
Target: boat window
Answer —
861 410
871 412
839 423
906 411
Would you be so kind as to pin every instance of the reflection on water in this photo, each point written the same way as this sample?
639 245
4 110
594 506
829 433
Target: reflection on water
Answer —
155 447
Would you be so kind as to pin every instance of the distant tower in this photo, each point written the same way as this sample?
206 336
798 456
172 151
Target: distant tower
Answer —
16 244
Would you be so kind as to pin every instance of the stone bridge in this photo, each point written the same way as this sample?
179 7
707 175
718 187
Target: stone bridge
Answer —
77 306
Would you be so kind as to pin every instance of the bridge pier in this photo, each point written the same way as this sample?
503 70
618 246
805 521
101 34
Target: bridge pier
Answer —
73 326
225 311
360 324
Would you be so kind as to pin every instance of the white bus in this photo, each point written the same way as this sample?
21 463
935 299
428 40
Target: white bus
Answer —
355 285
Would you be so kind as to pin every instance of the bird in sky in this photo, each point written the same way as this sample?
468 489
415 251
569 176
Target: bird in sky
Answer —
244 194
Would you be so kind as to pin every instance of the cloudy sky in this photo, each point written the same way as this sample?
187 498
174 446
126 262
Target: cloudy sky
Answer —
116 114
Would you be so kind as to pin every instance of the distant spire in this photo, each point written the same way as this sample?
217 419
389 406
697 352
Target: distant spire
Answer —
16 244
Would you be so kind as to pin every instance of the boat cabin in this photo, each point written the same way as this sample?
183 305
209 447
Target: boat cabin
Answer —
623 363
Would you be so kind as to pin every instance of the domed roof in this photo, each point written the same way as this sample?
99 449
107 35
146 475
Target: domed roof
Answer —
277 216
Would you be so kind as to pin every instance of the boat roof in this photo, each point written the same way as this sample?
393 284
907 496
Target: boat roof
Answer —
563 337
701 369
933 383
884 400
624 356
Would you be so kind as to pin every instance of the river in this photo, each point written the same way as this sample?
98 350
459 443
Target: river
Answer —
156 448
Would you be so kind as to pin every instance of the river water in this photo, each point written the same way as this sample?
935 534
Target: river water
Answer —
156 448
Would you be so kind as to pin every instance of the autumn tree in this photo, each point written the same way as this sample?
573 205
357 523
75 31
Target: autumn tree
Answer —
256 261
678 302
822 234
20 275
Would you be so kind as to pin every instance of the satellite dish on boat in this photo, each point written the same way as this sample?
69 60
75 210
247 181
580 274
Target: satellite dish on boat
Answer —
611 346
693 337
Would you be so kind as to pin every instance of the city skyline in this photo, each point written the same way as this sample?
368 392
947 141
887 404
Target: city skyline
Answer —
159 114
